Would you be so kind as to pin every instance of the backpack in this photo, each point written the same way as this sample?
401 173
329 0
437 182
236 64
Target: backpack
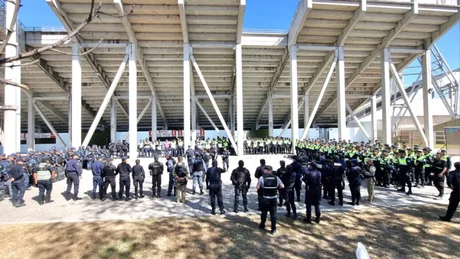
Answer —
180 171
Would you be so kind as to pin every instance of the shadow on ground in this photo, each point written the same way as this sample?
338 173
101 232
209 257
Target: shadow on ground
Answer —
387 233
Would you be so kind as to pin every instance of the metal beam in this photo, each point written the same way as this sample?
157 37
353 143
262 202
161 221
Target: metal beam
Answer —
406 100
427 84
239 98
276 76
187 75
239 27
132 102
358 14
50 126
183 20
53 111
105 102
319 100
139 55
207 117
358 122
303 9
294 94
374 117
214 104
386 41
61 14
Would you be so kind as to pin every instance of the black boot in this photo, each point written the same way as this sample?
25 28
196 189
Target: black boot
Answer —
444 218
213 211
245 209
222 212
41 200
317 217
307 220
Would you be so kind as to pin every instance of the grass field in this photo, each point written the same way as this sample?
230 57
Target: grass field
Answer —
386 232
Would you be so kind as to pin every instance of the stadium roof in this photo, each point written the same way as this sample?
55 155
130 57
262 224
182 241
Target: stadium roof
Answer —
213 27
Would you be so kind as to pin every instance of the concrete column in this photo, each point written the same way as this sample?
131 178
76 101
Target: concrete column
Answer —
374 118
194 118
386 108
76 97
31 124
294 98
11 130
186 67
239 98
132 102
341 104
306 116
270 116
17 72
427 84
232 116
113 120
154 118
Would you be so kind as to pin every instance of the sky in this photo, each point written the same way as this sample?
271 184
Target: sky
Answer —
260 14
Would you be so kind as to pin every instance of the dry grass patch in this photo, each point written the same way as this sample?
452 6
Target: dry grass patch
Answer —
387 233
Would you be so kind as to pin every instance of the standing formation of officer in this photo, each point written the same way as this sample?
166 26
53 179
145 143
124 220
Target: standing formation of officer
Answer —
214 185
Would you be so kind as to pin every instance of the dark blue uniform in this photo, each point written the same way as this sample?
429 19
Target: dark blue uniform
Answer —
214 184
288 179
73 172
312 179
453 181
124 170
97 178
17 173
354 180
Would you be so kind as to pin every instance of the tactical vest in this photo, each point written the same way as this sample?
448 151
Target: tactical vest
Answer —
42 172
156 169
270 186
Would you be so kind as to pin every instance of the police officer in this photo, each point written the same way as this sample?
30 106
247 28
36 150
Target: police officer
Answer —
259 173
109 172
214 185
337 182
354 175
17 184
312 179
138 179
190 154
453 181
73 173
198 171
180 174
288 179
124 169
280 172
269 184
156 170
438 173
404 165
96 168
170 163
43 178
241 179
225 156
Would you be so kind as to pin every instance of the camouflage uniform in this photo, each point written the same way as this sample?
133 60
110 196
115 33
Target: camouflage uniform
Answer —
181 184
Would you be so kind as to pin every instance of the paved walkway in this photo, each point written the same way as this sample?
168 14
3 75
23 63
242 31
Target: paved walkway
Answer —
197 205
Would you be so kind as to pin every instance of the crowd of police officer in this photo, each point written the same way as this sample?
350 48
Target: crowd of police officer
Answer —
322 165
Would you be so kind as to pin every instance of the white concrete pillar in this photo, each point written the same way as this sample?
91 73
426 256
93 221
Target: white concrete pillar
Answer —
113 120
306 116
232 116
427 84
374 118
132 102
76 97
194 118
294 98
270 116
386 108
239 98
11 105
30 124
17 72
341 104
154 118
186 67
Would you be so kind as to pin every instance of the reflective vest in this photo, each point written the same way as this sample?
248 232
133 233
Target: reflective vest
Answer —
43 173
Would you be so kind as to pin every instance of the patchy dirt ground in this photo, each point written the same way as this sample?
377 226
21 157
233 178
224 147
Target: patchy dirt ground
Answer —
386 232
